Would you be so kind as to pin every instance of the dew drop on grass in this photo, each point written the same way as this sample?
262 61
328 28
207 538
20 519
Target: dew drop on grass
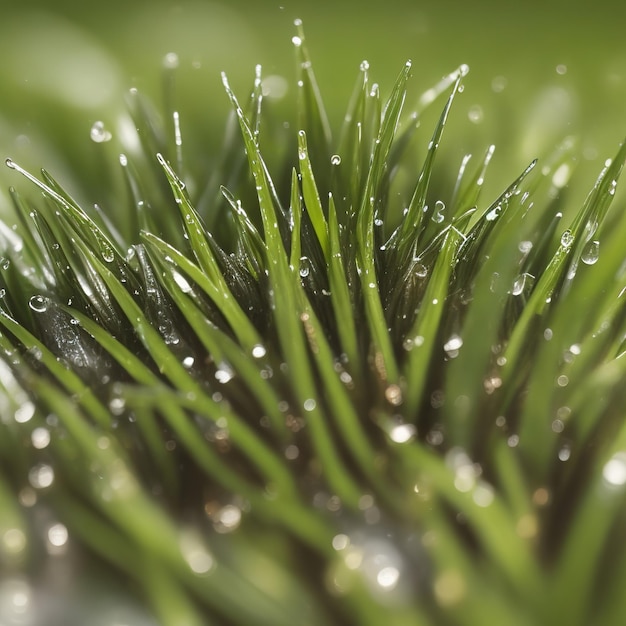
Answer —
453 345
591 252
39 304
438 215
493 214
188 362
305 266
335 159
99 134
258 351
309 404
567 239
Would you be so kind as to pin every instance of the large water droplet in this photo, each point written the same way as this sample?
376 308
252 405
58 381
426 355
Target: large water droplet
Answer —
453 345
591 252
99 133
614 472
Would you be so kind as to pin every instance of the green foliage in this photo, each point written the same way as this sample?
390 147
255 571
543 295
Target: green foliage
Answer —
357 397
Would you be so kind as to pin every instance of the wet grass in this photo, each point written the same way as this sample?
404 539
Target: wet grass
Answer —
320 389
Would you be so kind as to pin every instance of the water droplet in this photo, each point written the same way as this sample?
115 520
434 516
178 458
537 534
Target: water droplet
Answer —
564 453
612 187
402 433
591 252
525 246
438 215
224 373
493 214
99 133
258 351
39 304
614 471
475 114
41 476
453 345
58 536
521 283
40 438
561 69
567 239
226 519
464 70
188 362
335 159
25 412
305 266
182 282
296 41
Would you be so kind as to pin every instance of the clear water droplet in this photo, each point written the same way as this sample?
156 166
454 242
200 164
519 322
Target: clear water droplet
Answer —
39 304
567 239
24 412
296 41
305 266
453 345
402 433
591 252
40 438
309 404
614 471
99 134
335 159
493 214
612 187
521 283
438 215
258 351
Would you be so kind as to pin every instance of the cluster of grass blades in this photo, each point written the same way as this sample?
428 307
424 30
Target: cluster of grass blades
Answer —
334 395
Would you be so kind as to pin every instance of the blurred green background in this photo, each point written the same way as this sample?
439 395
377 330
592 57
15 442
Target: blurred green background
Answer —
539 71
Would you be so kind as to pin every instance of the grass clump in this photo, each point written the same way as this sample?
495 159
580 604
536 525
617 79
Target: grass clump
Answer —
328 392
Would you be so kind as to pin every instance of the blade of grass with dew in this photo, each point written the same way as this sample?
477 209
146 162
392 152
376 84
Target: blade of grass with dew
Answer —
284 286
384 356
